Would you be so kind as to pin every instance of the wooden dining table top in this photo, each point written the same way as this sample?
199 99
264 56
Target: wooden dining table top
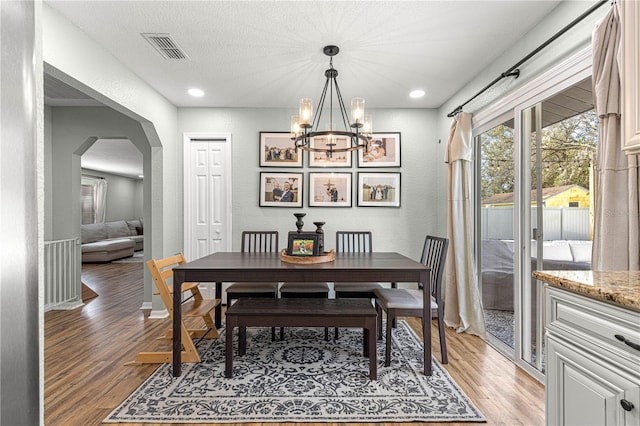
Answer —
350 267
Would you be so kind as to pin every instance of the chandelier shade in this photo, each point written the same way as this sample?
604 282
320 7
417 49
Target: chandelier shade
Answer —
357 128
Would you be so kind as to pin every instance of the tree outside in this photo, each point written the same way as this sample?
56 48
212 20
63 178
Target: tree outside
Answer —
568 149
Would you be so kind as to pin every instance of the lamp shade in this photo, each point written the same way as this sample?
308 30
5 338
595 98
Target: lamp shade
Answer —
357 110
367 125
306 109
295 125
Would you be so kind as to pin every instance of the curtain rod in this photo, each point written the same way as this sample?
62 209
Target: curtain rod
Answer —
93 176
514 71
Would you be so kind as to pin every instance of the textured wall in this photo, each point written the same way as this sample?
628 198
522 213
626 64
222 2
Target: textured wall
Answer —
20 346
395 229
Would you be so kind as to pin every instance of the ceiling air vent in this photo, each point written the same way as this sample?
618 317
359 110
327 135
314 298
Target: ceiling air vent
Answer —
165 45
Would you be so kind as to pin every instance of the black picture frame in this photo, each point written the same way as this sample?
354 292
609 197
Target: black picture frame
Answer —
322 185
382 151
277 150
337 159
282 182
379 189
303 244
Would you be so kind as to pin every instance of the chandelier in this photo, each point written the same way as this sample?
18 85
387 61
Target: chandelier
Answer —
356 133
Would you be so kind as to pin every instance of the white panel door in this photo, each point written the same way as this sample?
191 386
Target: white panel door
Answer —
207 196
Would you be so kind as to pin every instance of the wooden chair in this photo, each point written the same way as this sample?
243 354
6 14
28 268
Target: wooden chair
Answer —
355 242
417 303
194 306
255 242
294 290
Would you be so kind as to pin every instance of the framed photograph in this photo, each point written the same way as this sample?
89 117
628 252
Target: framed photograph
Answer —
337 159
330 189
379 189
383 151
303 244
281 189
277 150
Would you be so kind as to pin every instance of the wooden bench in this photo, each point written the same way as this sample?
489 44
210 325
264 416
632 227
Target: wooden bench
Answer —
343 313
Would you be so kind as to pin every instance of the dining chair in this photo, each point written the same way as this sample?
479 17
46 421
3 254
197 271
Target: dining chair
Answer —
354 242
417 303
255 242
193 306
307 290
304 290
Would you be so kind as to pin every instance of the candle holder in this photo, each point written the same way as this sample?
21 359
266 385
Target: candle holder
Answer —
320 233
299 222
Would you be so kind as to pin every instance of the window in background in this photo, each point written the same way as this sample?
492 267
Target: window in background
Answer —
93 195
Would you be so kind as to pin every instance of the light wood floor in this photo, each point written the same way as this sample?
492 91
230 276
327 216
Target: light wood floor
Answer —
86 349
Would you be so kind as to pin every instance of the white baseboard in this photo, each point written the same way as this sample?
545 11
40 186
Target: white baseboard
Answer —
147 306
69 305
163 313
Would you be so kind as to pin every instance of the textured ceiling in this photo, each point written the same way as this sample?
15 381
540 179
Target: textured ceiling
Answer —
269 53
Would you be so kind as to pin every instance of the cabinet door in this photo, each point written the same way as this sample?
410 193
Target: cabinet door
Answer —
587 390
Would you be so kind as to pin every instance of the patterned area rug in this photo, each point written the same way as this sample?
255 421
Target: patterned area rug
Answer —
301 379
501 325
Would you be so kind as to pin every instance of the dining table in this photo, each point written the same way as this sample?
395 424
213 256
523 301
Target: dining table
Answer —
224 267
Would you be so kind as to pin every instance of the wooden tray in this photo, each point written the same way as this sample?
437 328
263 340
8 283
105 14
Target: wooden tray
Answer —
328 256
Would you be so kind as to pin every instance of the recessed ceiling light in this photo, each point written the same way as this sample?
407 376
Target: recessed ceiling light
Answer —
141 176
416 93
196 93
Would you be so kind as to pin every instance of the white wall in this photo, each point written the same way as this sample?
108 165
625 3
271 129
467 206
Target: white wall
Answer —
124 199
395 229
21 136
139 197
48 175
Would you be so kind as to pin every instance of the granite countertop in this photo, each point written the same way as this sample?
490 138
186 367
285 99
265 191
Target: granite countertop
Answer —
619 287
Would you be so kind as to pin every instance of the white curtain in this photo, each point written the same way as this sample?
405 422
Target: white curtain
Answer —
615 240
94 200
100 194
463 306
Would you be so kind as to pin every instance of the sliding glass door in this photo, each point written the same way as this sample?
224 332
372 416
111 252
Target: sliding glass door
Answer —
559 136
495 184
535 180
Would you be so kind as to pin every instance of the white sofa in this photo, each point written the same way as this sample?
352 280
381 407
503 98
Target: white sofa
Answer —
497 266
104 242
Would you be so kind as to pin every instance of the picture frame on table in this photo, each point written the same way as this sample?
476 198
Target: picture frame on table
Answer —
277 150
380 189
330 189
281 189
337 159
382 151
303 244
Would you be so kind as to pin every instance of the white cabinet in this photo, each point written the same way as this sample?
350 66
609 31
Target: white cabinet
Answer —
593 377
630 76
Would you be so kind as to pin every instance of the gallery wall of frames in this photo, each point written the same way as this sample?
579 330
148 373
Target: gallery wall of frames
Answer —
327 183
